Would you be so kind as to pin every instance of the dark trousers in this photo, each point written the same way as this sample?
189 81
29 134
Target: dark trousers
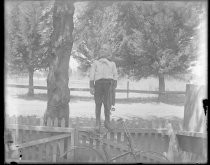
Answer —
102 95
112 93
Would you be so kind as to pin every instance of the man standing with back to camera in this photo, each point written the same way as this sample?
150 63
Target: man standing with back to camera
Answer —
103 74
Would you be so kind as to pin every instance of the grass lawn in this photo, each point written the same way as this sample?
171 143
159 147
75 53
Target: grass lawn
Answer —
17 102
82 103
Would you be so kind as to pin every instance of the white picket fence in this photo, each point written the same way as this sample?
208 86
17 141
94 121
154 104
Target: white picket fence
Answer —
46 143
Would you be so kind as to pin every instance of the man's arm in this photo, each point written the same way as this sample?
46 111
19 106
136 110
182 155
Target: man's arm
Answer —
92 78
115 75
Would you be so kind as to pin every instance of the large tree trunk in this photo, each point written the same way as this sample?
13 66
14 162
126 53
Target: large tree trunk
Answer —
58 78
161 86
31 83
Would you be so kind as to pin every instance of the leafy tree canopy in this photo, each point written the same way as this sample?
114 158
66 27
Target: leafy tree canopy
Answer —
147 38
24 37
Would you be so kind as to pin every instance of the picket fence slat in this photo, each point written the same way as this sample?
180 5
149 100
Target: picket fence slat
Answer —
122 137
61 146
118 153
149 141
25 154
54 151
112 136
30 154
33 152
108 135
40 152
55 124
118 137
115 136
63 122
49 122
41 122
48 152
71 141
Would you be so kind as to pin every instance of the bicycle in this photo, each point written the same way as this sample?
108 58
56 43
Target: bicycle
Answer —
80 154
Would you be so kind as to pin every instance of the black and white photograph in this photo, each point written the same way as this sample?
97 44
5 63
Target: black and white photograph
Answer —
105 81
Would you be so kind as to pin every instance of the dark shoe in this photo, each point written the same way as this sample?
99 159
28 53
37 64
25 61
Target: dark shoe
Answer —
108 126
113 108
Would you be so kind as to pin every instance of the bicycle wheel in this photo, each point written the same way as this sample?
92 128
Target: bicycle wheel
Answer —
126 157
150 157
81 154
140 157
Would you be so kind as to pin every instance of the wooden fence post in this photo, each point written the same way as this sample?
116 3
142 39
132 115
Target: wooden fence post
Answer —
194 117
76 140
127 89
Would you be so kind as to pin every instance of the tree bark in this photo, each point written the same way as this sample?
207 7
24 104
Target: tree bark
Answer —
31 82
58 78
161 86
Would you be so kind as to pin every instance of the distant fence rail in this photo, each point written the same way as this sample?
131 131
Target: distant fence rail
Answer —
117 90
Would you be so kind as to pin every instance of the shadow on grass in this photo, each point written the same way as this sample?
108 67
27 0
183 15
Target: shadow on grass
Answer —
173 99
177 100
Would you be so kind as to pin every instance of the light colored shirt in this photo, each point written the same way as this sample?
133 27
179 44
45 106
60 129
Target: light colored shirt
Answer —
103 69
